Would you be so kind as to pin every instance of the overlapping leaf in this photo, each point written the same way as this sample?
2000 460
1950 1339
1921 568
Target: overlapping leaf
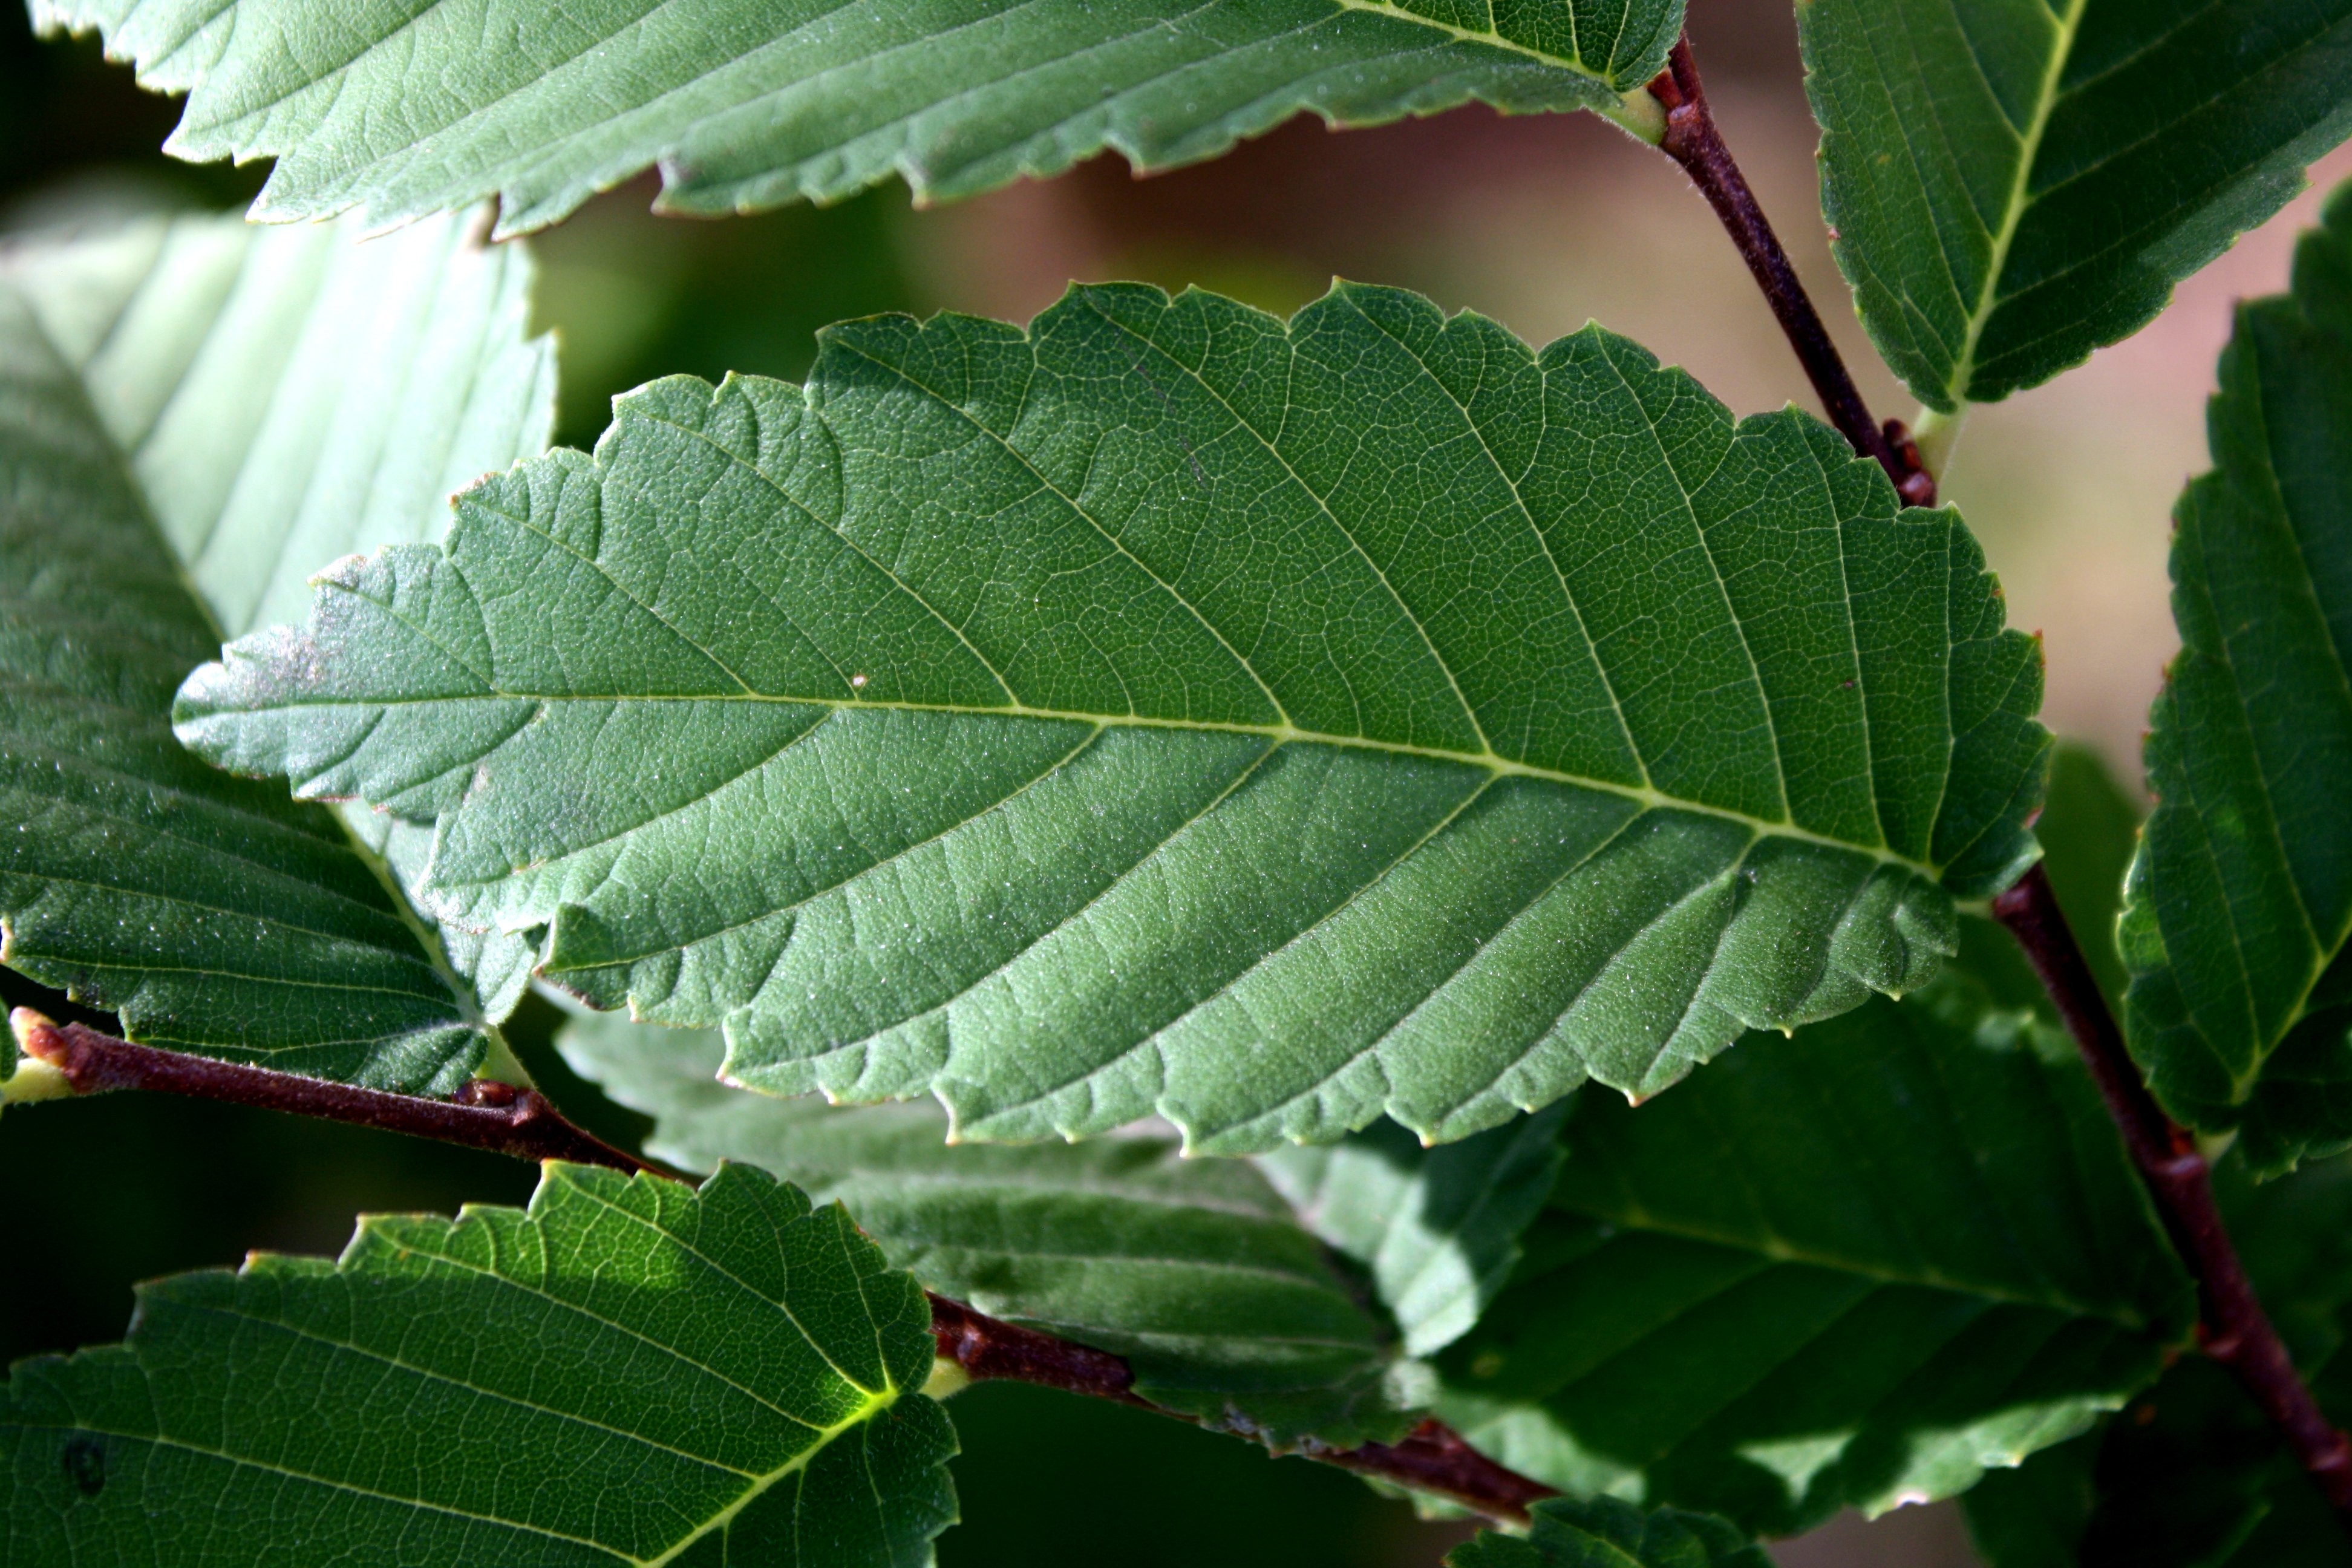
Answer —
2193 1474
1166 709
627 1373
1439 1228
1608 1533
192 405
2015 182
1194 1271
2240 903
1853 1268
399 110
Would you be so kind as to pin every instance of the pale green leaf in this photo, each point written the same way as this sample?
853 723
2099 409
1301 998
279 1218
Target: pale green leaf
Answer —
1194 1271
194 414
1855 1269
1166 709
2239 901
629 1374
2014 183
1439 1228
397 108
1606 1533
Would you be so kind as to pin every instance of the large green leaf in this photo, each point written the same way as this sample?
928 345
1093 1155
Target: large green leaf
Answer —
1855 1269
1166 709
1605 1532
398 109
2240 899
2193 1474
2013 183
1194 1271
192 415
1439 1228
628 1372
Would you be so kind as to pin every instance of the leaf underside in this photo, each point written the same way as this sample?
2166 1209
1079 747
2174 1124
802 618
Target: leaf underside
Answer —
398 109
629 1372
1170 711
2013 183
1608 1533
197 412
2239 901
1855 1269
1194 1271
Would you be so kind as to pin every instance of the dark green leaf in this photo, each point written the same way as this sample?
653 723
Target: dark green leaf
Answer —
2013 183
1169 711
2241 898
1439 1228
1855 1269
1193 1270
192 404
1608 1533
2192 1474
628 1372
399 110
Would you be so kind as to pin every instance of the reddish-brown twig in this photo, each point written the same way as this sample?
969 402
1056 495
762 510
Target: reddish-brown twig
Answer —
1693 140
522 1122
2231 1324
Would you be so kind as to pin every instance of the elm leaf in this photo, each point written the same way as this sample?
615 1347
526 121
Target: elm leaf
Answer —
2238 904
1855 1269
628 1372
1168 709
398 109
2013 183
197 412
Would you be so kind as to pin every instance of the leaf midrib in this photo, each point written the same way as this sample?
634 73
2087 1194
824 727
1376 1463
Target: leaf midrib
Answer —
2013 213
1649 798
1772 1249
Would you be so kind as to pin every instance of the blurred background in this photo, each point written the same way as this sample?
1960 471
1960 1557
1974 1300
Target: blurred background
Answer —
1540 223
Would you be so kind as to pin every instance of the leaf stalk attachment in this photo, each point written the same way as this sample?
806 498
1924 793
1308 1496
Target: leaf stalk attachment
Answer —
2231 1327
523 1123
1693 140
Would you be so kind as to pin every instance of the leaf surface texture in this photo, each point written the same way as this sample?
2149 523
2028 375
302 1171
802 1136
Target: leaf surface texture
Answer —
1194 1271
1170 711
196 414
628 1372
2239 901
399 107
1852 1269
2013 183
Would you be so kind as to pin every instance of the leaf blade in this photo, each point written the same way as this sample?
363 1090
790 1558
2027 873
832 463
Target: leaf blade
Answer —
745 107
1853 1268
179 383
688 1366
1544 808
2010 187
2238 906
